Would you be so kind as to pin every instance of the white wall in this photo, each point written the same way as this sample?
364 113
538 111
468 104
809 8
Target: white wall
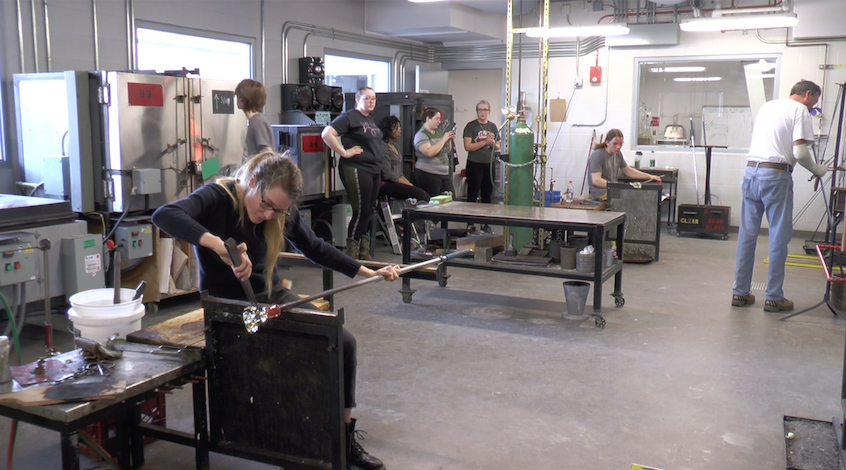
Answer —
590 112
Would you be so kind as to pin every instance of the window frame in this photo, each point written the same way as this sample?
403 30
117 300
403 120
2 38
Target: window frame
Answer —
638 68
200 33
363 56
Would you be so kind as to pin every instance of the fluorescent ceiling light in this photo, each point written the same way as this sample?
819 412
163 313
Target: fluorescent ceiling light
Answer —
427 1
579 31
677 69
740 22
697 79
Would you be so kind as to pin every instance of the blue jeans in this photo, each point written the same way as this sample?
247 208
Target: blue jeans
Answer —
769 191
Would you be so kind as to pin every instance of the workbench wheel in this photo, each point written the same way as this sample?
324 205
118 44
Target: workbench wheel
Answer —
599 321
406 297
619 301
152 308
725 237
442 281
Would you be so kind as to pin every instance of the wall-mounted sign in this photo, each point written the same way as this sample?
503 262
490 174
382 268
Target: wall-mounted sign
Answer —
223 102
145 94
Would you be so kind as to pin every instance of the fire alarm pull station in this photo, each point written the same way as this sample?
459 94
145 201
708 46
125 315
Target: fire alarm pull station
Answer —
595 74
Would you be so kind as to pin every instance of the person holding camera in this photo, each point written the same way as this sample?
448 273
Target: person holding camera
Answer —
432 148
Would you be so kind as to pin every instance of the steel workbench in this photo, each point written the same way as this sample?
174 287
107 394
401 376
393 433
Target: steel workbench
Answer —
596 223
144 373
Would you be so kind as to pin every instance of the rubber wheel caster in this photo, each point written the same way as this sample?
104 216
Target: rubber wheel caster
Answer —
619 301
152 308
442 282
599 322
406 298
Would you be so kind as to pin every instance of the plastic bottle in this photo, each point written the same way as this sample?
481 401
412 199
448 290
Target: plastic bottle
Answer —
570 192
638 156
5 368
652 160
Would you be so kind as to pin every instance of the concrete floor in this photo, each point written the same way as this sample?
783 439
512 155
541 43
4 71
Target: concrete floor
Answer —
485 373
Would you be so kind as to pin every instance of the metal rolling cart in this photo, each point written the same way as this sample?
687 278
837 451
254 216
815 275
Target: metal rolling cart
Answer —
596 223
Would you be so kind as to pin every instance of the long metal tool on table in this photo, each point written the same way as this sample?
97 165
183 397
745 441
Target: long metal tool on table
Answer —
693 153
254 316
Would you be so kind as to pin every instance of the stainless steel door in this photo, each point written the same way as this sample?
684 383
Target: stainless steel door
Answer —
144 128
222 128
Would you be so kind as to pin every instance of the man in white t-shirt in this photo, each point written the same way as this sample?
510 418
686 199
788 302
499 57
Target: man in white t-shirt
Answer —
781 138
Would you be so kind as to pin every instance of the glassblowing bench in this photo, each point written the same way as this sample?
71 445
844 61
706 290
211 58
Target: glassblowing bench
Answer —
595 223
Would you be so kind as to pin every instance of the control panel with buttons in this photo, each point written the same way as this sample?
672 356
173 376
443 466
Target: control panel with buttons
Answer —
135 240
17 263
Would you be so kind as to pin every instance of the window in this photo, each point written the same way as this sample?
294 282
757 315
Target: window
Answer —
218 58
352 73
716 96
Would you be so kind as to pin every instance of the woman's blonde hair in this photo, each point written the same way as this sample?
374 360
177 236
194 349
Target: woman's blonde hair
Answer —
270 170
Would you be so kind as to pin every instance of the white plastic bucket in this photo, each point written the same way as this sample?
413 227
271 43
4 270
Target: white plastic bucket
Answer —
100 328
100 303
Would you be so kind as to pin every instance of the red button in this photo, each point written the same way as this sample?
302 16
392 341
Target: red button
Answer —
17 265
140 243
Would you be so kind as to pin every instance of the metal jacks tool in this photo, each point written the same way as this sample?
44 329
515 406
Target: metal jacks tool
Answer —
255 316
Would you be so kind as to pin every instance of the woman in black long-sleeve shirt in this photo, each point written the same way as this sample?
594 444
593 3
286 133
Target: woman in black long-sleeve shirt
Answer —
256 208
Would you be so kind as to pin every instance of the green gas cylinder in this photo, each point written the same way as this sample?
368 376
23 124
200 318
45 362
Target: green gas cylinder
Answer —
520 184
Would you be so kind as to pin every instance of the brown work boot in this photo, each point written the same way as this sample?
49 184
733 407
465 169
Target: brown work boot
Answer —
782 305
364 249
352 248
742 300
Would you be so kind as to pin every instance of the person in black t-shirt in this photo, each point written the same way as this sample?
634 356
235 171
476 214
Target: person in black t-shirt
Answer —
355 136
481 140
257 208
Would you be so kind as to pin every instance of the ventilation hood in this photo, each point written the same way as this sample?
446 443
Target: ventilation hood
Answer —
444 22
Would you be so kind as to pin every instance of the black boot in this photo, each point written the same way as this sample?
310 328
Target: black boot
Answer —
357 457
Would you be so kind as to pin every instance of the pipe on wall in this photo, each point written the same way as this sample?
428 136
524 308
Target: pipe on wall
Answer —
426 53
263 56
96 36
47 37
20 35
130 35
34 35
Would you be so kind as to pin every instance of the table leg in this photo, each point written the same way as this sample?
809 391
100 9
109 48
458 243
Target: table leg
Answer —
201 432
618 278
124 447
136 438
70 450
598 243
